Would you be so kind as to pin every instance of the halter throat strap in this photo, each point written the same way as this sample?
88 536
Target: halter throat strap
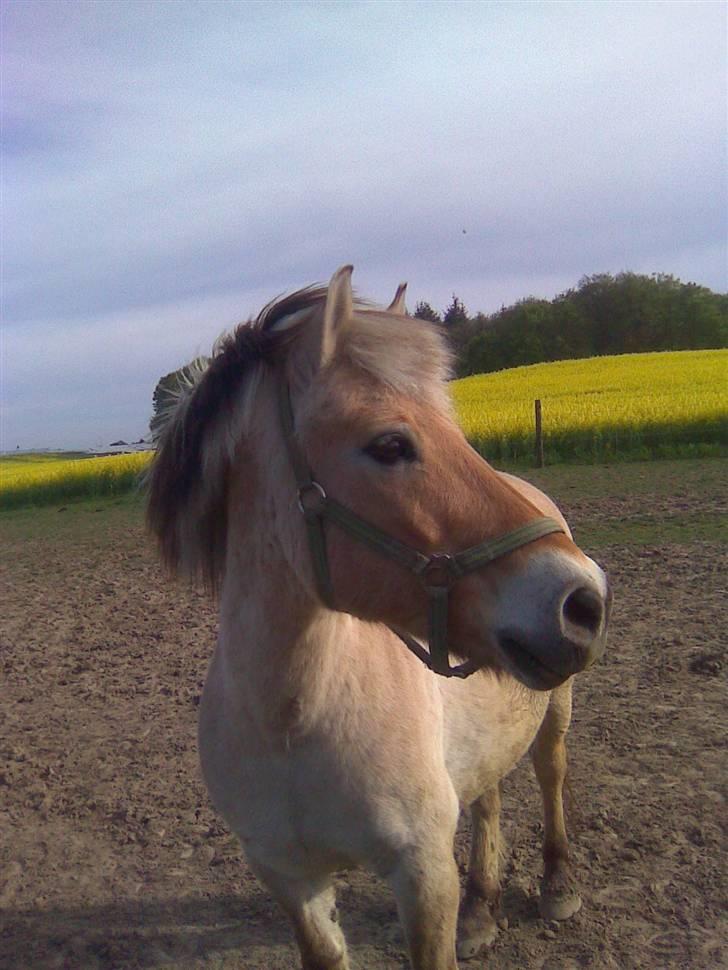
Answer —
437 572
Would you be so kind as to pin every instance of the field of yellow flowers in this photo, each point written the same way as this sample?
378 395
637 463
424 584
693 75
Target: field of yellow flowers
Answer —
37 479
632 406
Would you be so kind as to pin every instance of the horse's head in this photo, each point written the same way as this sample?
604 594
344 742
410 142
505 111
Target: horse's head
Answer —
405 520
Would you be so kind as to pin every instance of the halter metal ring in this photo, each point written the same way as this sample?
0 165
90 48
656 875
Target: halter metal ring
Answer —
317 499
439 572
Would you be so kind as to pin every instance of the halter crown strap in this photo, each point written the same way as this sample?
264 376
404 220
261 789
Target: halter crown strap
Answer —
437 572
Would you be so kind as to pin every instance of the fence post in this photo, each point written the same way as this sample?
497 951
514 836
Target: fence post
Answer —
539 435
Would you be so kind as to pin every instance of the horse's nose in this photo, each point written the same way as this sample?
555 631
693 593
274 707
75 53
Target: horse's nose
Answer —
553 621
582 616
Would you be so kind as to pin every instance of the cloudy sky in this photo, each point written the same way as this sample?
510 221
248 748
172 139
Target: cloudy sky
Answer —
170 166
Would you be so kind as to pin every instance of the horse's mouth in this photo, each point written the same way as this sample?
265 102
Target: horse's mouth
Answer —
527 668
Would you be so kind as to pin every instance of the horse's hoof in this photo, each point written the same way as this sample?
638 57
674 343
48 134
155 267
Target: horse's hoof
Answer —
559 905
471 946
474 938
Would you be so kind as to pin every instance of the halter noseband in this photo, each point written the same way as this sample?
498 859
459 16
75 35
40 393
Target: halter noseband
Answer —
437 572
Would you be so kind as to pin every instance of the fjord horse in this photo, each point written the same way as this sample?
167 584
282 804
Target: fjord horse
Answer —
312 474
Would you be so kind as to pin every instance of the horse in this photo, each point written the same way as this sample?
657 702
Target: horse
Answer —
313 477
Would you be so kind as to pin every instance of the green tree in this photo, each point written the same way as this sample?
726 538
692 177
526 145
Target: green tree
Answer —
605 314
423 311
456 313
570 334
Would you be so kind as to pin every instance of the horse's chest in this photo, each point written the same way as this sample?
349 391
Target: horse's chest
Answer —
488 729
301 807
290 818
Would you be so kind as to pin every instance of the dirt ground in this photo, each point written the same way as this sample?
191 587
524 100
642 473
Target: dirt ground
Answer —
112 857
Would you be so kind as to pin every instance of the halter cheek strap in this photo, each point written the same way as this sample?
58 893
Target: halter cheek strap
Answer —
437 572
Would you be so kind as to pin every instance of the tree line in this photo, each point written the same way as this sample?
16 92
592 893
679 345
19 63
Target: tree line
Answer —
623 314
604 314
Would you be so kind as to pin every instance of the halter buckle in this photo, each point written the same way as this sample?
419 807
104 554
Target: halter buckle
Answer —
439 571
311 499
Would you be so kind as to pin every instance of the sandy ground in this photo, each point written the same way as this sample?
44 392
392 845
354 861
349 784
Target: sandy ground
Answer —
112 857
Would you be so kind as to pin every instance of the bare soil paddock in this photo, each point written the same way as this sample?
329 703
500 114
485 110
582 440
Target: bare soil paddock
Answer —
111 856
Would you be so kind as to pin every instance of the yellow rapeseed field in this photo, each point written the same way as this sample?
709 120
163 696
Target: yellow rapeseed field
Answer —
41 478
632 405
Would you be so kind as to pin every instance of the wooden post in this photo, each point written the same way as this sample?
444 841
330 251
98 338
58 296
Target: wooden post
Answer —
539 435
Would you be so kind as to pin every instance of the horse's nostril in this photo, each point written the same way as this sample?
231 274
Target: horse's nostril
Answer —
584 610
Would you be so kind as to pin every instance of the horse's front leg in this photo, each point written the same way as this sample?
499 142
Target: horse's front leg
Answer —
559 898
479 909
427 890
311 905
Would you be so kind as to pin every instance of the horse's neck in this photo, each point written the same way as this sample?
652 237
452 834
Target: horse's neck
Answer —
281 650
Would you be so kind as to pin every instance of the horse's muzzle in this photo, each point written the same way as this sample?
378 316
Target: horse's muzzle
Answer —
551 638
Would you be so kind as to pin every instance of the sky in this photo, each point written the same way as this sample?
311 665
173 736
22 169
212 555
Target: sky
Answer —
168 167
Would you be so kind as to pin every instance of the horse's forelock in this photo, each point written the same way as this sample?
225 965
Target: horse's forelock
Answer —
286 311
405 353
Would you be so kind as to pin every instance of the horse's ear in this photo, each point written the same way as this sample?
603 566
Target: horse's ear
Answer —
398 305
338 310
319 336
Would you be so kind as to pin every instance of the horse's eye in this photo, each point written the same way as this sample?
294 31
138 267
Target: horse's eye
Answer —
390 448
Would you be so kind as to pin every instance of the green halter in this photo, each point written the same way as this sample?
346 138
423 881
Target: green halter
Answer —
437 572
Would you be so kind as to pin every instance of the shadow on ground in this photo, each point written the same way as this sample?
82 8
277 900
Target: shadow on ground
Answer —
143 934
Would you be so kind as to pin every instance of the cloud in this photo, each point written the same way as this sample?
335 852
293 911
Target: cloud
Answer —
166 157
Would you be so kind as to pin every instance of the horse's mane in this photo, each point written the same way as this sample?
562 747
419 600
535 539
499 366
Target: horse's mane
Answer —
187 483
